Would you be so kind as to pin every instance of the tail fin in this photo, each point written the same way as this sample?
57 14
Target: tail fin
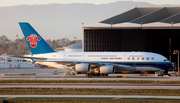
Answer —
35 42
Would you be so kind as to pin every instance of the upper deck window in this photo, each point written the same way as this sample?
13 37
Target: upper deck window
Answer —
74 55
102 55
53 55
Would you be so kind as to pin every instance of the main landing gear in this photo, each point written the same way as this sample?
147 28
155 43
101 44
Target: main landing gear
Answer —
162 73
95 74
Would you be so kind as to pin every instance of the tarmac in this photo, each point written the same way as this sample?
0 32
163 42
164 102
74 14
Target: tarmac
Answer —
21 74
30 74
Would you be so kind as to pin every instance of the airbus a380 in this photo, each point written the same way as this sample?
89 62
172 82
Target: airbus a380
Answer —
95 63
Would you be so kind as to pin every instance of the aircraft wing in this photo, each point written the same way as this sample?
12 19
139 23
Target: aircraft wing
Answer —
120 67
73 62
28 57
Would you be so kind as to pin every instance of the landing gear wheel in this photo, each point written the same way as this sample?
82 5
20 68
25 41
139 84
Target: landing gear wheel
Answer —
87 74
105 74
97 74
101 74
92 74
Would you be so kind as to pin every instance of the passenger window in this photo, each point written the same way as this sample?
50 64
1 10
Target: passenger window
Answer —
152 58
133 58
9 60
128 58
142 58
147 58
137 58
23 60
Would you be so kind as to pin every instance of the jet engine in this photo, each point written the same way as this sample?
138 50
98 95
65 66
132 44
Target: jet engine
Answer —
107 69
83 67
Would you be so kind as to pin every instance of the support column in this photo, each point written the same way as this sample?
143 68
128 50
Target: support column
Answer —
169 49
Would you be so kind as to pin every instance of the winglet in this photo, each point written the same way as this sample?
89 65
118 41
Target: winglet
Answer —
35 42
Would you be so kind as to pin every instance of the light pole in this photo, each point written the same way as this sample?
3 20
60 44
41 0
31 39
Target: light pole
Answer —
177 53
1 61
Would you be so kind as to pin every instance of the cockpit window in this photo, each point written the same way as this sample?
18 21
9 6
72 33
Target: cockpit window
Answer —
165 60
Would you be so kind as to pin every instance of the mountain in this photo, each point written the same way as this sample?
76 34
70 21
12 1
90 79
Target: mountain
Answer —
55 21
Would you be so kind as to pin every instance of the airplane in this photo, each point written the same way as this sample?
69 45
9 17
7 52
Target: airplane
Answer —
94 63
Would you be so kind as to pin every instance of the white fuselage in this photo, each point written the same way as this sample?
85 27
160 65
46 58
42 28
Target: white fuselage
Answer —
142 61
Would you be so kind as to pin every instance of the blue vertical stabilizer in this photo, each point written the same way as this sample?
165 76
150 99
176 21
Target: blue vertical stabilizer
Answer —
35 42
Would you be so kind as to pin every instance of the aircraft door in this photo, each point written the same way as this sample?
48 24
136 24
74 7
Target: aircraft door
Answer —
124 56
64 56
84 56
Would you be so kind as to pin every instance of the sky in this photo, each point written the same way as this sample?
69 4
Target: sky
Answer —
4 3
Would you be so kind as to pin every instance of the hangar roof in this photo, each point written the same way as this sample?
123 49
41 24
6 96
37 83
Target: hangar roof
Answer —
144 17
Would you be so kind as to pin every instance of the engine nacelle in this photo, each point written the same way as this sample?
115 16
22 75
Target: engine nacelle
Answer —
82 67
107 69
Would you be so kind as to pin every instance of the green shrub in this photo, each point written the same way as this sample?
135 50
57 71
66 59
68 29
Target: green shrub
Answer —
88 91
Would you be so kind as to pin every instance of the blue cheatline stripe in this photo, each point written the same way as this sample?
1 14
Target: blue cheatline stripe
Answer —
158 65
149 67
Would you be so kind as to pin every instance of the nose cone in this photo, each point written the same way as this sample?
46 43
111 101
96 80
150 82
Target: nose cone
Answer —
170 65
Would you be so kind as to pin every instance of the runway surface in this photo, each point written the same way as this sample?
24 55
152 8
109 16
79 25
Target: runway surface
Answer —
118 97
77 77
93 85
56 77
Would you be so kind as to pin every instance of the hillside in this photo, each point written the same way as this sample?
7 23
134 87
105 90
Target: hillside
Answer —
55 21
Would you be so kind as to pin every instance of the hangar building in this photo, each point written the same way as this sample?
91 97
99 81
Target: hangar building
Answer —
152 29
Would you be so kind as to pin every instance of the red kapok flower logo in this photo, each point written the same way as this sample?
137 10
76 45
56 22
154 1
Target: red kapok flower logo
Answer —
33 40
